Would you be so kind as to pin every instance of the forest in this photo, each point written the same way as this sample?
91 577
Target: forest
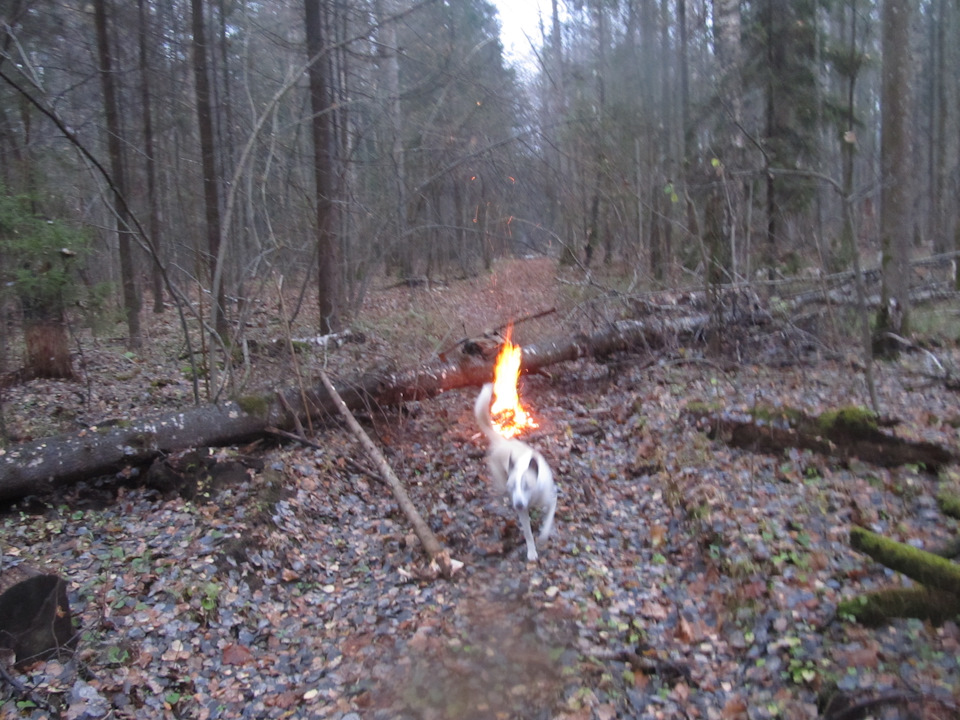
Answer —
257 259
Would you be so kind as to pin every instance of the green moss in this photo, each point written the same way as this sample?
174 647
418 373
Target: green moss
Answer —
258 405
949 503
849 419
923 567
877 608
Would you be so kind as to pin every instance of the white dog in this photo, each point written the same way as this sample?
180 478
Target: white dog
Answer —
520 471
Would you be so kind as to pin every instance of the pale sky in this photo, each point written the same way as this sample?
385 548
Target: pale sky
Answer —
517 17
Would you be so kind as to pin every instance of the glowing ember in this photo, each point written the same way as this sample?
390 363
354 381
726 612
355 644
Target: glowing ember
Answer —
509 417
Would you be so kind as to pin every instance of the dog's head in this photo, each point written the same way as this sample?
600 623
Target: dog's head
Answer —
523 472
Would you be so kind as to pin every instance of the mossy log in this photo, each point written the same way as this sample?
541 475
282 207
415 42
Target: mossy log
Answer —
936 599
846 434
922 603
38 467
924 567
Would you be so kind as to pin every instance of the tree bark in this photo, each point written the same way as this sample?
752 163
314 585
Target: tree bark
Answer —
41 466
896 179
131 297
211 194
323 170
47 340
35 617
877 608
156 271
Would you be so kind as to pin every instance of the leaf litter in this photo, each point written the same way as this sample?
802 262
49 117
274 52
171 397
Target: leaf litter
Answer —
686 579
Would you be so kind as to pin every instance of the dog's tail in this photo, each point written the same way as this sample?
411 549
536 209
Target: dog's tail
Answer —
481 410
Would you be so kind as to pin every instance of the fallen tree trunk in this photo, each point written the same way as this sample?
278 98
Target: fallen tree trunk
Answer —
924 567
879 607
936 599
847 433
38 467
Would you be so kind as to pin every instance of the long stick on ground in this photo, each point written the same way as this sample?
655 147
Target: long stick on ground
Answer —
427 538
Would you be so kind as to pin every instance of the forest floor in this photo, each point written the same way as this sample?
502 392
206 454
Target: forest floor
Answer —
685 579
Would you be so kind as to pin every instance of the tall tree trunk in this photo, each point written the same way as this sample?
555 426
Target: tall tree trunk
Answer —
686 135
211 195
593 218
388 58
956 227
727 38
843 253
153 211
323 170
13 161
131 297
895 179
771 129
940 146
663 204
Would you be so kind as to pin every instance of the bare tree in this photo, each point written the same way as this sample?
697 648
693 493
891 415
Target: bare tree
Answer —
211 195
149 153
131 296
324 174
895 155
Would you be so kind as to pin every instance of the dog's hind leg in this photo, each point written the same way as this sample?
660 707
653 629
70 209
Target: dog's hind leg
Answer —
528 534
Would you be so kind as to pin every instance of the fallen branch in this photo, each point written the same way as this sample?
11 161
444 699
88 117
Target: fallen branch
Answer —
877 608
429 541
293 437
936 599
926 568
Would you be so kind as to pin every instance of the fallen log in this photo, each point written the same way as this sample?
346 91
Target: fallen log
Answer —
936 599
924 567
879 607
38 467
846 434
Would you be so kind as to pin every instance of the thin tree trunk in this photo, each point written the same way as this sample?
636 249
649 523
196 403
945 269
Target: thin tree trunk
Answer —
941 154
844 253
211 195
131 298
149 157
323 170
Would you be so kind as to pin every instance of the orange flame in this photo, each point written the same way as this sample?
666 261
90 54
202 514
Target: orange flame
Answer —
509 417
